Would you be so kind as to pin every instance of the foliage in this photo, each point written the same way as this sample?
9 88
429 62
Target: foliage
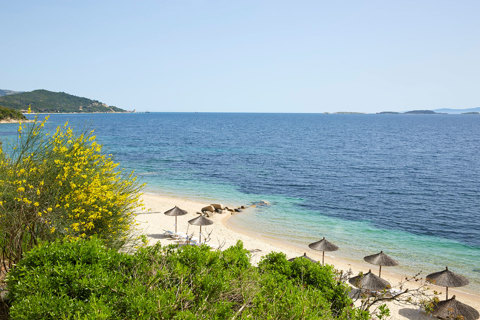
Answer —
309 275
82 279
61 185
383 312
10 114
48 101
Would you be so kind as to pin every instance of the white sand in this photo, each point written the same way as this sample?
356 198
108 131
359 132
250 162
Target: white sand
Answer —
223 234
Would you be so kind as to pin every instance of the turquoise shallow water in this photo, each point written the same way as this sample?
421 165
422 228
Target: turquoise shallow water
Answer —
409 185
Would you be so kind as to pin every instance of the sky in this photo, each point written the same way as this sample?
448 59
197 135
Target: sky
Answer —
246 56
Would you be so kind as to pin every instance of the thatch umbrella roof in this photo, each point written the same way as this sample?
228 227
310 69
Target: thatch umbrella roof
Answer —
369 281
381 259
323 245
452 309
200 221
447 278
304 257
175 211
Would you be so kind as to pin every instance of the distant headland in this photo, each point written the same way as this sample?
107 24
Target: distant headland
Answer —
44 101
437 111
8 115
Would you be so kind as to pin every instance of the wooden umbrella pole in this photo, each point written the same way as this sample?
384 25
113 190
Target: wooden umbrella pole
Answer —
446 298
200 236
380 271
175 224
323 258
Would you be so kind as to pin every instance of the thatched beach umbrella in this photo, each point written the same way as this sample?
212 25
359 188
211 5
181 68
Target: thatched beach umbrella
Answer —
369 281
453 309
447 278
175 212
323 245
304 257
380 259
200 221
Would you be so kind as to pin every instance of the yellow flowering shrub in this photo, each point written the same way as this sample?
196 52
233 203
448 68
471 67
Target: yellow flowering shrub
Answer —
62 185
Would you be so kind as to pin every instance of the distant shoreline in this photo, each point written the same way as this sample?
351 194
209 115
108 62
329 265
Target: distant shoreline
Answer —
14 121
38 113
408 113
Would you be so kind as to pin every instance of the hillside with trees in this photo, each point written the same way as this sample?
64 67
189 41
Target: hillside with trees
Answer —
44 101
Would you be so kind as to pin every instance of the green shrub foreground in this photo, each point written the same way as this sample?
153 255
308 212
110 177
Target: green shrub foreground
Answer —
61 184
83 279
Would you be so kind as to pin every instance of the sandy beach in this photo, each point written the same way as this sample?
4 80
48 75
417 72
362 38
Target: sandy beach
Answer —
223 234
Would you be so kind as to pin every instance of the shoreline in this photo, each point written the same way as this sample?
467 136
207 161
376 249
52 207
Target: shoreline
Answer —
224 233
14 121
340 261
99 112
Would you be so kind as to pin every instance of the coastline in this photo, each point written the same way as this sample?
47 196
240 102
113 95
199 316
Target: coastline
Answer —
99 112
225 233
15 121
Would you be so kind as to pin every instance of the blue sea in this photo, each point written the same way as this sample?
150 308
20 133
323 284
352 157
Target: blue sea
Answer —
405 184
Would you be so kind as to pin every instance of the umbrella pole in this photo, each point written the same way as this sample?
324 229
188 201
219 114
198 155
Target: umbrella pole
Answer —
446 298
200 236
323 258
380 271
175 224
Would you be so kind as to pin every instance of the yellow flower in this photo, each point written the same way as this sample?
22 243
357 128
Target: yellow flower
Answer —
36 204
21 189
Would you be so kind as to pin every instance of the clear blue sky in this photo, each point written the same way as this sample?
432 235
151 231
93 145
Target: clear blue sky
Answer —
246 56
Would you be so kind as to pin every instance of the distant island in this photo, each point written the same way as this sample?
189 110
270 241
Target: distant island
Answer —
410 112
8 115
421 112
44 101
388 112
459 111
437 111
348 112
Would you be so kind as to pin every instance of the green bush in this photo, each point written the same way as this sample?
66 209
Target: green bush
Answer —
83 279
310 276
61 185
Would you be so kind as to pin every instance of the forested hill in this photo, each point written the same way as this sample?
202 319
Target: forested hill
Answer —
54 102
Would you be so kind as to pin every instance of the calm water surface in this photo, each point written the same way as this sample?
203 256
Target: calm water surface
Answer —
407 184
